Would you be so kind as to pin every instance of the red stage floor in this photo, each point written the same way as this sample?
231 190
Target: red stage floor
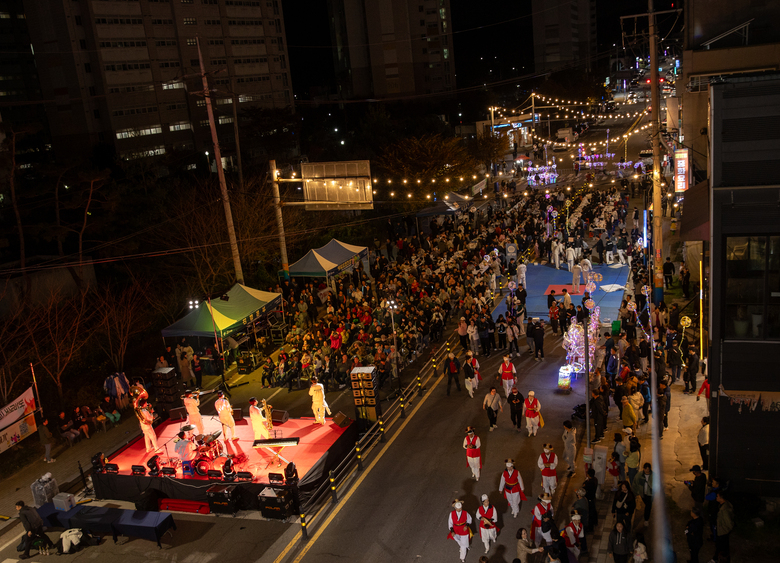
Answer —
315 440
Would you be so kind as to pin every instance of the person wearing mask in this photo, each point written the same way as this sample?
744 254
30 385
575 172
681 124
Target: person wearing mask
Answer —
694 534
459 525
533 413
643 486
487 517
472 446
515 401
512 486
547 463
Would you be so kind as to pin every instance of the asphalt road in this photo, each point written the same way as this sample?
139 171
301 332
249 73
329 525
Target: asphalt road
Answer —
399 512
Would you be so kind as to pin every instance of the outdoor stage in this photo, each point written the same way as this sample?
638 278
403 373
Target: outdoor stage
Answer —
320 449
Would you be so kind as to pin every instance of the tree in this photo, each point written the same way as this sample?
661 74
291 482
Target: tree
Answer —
487 148
13 339
120 314
57 331
426 158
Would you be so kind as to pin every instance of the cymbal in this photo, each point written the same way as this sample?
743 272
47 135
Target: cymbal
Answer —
188 428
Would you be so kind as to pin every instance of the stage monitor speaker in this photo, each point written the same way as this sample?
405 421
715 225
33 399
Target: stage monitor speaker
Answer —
179 413
138 470
276 478
279 416
112 468
342 420
214 475
238 414
223 499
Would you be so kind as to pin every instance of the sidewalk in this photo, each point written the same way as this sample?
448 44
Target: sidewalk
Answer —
66 469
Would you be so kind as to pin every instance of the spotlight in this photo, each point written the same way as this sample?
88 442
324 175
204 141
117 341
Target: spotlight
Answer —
245 477
214 475
138 470
291 474
112 468
276 479
154 466
228 473
168 471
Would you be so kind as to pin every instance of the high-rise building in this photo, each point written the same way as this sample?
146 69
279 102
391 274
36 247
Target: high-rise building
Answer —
564 34
20 92
390 48
126 72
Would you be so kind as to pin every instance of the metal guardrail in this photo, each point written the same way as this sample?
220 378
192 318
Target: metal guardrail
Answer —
327 494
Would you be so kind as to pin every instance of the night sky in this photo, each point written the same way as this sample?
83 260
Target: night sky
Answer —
491 38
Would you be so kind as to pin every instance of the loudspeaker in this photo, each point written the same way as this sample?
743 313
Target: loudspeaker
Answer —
280 417
179 413
223 499
149 500
341 420
238 414
280 506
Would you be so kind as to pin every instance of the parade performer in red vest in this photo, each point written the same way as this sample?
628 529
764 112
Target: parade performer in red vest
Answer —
532 413
473 453
512 486
547 462
540 510
507 374
487 516
459 525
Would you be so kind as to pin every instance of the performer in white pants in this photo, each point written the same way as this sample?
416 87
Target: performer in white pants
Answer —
547 462
575 533
540 510
569 445
532 409
459 525
487 516
259 420
225 412
507 374
472 446
512 486
521 270
318 403
191 403
145 416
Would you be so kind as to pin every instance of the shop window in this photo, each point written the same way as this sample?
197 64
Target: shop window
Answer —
752 293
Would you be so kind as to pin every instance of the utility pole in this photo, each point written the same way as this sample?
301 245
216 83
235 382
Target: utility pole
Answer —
221 172
658 279
279 220
238 145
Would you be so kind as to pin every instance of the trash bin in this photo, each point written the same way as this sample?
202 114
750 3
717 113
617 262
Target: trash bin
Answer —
616 326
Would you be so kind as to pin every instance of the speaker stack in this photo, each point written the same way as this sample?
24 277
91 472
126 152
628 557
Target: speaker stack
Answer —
365 391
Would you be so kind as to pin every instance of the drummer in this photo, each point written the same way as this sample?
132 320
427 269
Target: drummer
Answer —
185 448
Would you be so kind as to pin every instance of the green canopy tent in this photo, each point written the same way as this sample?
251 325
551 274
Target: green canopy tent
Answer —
222 318
329 260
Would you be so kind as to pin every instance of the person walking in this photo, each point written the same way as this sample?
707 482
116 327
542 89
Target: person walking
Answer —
569 438
704 442
697 487
472 445
452 367
620 544
533 415
487 517
47 439
492 405
515 401
539 341
507 374
694 534
576 275
459 525
575 533
463 334
628 414
624 504
599 409
33 527
512 486
643 486
543 507
547 463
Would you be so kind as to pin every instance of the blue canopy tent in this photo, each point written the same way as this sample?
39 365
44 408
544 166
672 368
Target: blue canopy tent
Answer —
329 260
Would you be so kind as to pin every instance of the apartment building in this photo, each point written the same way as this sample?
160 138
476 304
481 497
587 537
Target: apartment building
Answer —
127 73
564 34
392 48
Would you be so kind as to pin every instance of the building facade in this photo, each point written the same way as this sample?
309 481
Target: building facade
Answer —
126 73
564 34
392 48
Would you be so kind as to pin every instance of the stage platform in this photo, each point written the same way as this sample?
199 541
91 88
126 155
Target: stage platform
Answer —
320 449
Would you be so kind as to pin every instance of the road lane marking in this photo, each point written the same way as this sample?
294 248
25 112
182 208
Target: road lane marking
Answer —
354 488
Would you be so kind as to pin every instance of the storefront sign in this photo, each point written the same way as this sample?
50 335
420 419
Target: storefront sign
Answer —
681 170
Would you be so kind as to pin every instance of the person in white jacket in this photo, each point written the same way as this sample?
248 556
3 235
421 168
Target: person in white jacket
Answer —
459 524
318 403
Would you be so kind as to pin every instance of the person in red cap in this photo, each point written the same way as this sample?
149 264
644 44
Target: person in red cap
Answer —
459 525
547 462
512 486
473 453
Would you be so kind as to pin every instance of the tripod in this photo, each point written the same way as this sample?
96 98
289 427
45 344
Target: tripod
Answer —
87 489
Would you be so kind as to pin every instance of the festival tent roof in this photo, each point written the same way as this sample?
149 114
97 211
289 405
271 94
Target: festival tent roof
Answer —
326 260
243 305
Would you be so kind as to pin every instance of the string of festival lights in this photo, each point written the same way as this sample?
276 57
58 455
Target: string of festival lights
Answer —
547 140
